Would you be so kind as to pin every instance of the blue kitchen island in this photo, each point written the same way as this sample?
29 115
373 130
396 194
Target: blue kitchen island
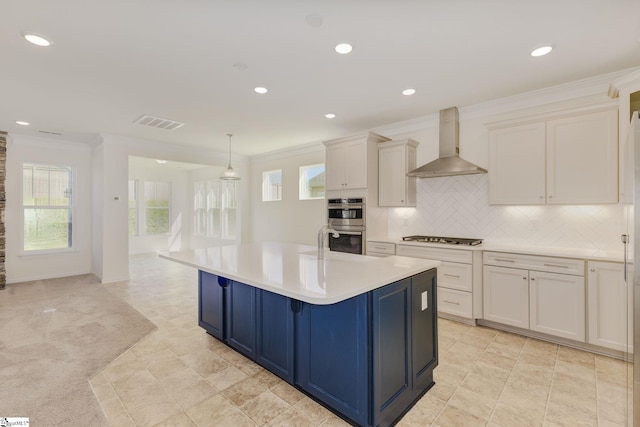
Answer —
356 333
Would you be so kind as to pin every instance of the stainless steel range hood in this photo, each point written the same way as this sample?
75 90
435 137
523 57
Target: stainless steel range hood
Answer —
449 162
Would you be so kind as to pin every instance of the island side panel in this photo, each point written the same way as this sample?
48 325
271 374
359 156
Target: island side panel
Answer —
332 355
392 356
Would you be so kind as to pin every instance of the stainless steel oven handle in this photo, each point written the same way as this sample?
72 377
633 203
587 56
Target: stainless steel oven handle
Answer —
351 233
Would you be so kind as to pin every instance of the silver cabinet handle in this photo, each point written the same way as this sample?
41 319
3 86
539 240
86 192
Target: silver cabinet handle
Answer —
451 275
556 265
452 302
505 260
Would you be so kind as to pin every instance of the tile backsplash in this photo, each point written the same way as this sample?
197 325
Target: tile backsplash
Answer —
458 206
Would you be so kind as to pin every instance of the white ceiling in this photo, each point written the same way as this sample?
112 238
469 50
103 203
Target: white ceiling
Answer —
114 60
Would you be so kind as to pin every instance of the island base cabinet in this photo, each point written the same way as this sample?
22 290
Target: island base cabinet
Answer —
368 358
211 303
332 355
240 328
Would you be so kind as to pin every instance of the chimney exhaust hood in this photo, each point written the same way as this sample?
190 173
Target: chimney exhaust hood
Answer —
449 162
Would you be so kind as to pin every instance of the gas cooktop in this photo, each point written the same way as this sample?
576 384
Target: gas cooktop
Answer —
445 240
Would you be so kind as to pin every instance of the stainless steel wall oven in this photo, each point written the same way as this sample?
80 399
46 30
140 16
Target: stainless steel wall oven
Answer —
347 217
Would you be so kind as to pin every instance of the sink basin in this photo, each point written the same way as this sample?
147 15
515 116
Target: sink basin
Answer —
339 256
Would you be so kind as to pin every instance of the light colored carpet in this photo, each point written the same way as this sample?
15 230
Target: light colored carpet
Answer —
54 335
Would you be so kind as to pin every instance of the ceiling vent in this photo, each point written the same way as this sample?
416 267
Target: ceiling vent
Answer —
49 132
158 122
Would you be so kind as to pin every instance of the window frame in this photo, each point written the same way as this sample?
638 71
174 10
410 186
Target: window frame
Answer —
302 182
72 207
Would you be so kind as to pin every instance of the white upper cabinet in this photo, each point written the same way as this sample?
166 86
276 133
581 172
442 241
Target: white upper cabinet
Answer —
582 159
517 165
347 161
395 159
568 160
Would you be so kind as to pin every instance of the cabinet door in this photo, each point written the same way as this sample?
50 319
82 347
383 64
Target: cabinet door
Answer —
274 335
517 165
240 318
582 159
332 355
356 167
336 167
391 176
211 303
506 296
557 304
392 355
610 307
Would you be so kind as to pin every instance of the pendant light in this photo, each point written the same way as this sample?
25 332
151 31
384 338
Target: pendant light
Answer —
230 174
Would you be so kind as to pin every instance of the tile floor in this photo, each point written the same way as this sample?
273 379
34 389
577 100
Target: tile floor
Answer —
180 376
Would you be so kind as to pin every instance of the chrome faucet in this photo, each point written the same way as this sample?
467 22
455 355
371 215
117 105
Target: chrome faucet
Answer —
321 233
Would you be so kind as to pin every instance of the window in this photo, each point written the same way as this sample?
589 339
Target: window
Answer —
157 197
272 185
47 207
312 182
215 209
149 208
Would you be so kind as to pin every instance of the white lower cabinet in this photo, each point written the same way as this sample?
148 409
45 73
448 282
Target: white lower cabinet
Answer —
506 296
610 306
543 294
459 278
556 304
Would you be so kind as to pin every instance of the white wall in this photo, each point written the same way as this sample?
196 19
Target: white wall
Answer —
24 267
290 219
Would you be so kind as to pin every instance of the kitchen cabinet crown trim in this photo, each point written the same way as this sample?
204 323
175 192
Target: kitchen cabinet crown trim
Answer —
552 114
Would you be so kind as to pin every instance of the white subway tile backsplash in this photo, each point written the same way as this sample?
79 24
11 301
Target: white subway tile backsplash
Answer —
459 206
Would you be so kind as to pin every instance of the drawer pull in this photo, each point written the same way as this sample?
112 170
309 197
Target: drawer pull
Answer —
452 302
556 265
451 275
505 260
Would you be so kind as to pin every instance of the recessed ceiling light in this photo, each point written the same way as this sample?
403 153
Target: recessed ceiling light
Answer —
22 123
36 39
408 92
330 116
344 48
162 162
541 51
261 89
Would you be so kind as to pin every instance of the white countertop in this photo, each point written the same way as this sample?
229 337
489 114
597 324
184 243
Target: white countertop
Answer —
295 271
586 254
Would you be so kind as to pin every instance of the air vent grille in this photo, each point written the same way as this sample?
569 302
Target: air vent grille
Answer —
158 122
49 132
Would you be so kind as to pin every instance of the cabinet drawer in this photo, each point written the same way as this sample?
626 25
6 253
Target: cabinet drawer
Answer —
455 275
532 262
454 302
452 255
380 248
